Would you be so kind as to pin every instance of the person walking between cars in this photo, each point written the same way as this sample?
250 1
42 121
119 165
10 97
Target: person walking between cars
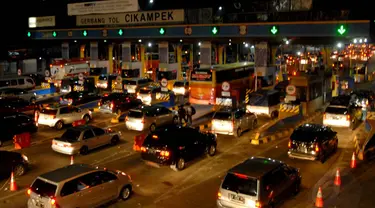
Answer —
190 111
182 114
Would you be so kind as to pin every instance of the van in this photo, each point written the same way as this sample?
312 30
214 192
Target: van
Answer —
21 82
258 182
133 85
78 185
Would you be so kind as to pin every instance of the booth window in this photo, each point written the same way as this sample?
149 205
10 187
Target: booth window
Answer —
301 94
315 90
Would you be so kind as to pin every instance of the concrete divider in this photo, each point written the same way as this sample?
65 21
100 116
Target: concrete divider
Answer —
279 129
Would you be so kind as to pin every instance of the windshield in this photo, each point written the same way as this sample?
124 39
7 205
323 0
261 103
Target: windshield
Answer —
179 84
223 115
103 78
129 82
135 114
240 183
144 91
304 135
336 110
49 111
71 135
43 188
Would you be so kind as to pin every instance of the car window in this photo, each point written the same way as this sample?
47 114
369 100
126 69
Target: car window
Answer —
240 183
74 109
88 134
29 81
98 131
13 82
4 83
278 176
164 111
64 110
21 81
223 116
106 176
43 188
239 114
91 179
70 187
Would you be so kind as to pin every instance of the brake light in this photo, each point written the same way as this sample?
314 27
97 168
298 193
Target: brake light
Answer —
60 98
126 118
28 192
164 153
258 204
290 144
53 116
233 123
143 120
143 149
317 148
241 175
348 117
70 100
112 105
218 195
53 201
324 116
366 102
100 103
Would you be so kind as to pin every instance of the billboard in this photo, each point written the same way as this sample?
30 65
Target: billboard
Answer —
47 21
102 7
132 18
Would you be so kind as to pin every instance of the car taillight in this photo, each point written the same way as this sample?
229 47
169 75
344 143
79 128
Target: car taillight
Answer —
317 148
348 117
100 103
218 195
53 116
258 204
126 118
112 105
53 202
324 116
143 149
164 153
233 123
290 144
70 100
366 102
28 192
60 98
143 120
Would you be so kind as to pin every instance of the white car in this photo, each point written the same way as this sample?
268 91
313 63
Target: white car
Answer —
59 116
20 93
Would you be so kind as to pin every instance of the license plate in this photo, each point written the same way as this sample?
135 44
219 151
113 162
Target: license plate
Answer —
335 118
235 197
38 204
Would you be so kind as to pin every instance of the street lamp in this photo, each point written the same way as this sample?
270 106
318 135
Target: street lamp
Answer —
199 43
220 8
339 45
149 44
151 1
287 42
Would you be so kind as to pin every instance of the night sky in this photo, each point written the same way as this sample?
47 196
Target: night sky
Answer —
15 13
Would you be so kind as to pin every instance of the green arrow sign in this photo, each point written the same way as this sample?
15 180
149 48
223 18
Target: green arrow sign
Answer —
28 34
54 34
84 33
120 32
274 30
341 30
214 30
161 31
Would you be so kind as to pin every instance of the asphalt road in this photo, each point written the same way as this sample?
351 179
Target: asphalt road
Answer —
197 185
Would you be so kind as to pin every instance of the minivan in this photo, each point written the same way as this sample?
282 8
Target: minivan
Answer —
258 182
21 82
78 185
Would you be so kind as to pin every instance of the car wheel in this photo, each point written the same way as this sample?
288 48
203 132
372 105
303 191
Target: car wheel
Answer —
84 150
211 150
238 133
175 120
19 170
59 125
255 124
115 140
152 127
33 100
86 118
180 164
126 192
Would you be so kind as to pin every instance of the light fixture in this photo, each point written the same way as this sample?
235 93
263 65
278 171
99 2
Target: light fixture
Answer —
355 40
140 41
149 44
180 40
287 42
246 45
252 46
220 8
339 45
199 43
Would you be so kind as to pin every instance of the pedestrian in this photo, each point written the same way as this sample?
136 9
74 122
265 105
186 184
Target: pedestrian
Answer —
182 114
190 111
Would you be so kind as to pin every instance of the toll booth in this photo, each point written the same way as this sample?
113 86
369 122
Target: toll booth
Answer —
266 75
97 72
105 82
305 92
341 85
131 70
168 72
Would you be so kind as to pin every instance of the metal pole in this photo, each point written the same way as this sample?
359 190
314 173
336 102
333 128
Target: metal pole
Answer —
256 79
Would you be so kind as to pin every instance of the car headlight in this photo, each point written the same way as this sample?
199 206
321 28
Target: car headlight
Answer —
25 158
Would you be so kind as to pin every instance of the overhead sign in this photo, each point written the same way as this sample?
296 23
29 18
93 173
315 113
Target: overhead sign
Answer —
132 18
48 21
103 7
291 90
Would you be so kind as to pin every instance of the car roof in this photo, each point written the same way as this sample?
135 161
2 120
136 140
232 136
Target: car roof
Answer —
312 128
256 167
147 108
67 172
82 127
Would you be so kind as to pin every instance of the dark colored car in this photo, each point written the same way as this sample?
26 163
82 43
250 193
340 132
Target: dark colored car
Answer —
312 142
258 182
13 123
15 104
78 98
13 161
176 145
118 103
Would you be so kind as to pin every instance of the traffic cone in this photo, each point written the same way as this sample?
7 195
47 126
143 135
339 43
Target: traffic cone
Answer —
337 178
71 160
319 198
13 185
353 162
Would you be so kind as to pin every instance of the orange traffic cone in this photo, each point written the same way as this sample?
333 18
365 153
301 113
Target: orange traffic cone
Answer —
319 198
353 162
337 178
71 160
13 185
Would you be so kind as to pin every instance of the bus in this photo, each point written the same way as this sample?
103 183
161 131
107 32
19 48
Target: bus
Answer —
206 83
